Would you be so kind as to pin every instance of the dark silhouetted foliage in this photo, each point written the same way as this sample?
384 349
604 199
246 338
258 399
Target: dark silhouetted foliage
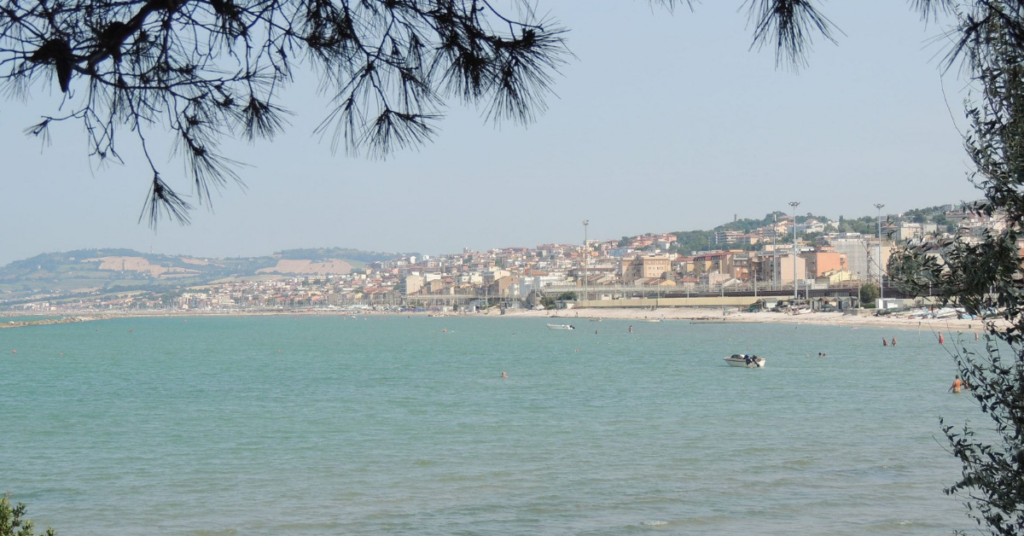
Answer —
205 70
984 275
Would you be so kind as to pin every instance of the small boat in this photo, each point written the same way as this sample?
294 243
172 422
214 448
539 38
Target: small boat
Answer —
561 326
745 360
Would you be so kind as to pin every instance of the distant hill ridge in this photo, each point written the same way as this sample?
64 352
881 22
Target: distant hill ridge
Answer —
119 269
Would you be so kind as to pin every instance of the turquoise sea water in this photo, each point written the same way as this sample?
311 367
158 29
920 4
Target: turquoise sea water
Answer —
334 425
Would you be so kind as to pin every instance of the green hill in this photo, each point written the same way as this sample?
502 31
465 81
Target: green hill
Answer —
93 271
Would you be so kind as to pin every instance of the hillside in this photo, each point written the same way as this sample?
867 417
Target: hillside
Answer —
695 240
86 271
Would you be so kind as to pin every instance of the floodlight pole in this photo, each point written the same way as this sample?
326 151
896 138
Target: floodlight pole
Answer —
775 249
586 259
794 204
879 261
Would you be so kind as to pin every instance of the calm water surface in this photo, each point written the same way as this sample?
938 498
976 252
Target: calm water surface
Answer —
334 425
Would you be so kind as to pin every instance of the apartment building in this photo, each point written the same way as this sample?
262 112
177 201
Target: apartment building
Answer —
646 266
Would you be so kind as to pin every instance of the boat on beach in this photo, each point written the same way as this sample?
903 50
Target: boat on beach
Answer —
745 360
561 326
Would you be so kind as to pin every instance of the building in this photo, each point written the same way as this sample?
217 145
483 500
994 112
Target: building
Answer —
640 267
862 254
811 225
820 263
719 262
910 230
785 264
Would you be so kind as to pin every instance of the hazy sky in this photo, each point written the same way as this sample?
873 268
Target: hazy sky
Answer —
663 123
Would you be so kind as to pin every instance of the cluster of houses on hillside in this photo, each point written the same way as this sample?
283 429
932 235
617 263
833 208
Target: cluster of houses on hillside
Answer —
604 270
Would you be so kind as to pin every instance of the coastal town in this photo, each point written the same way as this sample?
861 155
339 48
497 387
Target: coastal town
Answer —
806 260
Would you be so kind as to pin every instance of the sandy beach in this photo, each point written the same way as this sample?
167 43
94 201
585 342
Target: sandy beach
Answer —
717 315
700 314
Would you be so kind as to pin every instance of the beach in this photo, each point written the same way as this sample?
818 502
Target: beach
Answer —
948 325
693 314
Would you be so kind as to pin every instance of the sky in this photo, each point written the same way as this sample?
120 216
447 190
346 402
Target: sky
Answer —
662 122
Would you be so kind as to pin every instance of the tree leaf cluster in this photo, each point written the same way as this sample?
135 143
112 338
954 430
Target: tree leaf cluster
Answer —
747 225
206 70
209 69
690 241
985 276
13 521
869 294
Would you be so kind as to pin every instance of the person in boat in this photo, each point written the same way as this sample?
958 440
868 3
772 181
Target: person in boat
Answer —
747 359
957 385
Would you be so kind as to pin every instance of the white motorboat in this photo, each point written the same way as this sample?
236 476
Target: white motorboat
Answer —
745 360
561 326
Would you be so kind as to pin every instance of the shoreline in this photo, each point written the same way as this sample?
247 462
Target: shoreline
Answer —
668 314
715 316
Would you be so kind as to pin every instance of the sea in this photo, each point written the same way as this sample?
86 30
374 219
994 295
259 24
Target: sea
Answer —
319 425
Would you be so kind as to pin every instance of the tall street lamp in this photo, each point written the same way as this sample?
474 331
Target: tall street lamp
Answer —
775 249
794 204
586 258
879 261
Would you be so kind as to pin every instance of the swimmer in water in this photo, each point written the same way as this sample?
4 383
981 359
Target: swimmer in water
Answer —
504 374
957 384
